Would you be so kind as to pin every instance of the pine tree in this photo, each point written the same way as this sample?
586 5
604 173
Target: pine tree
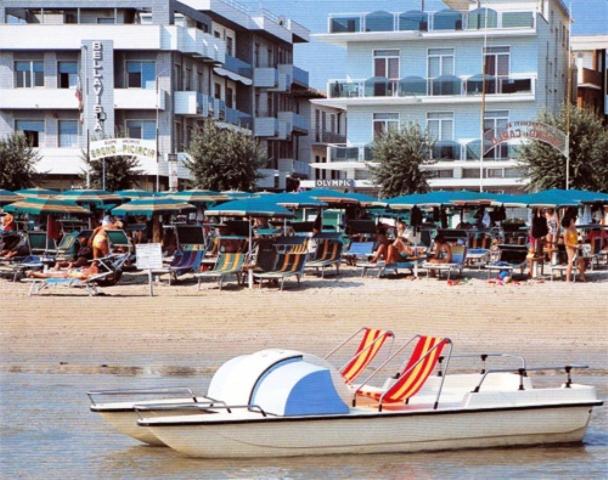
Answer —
399 156
224 159
17 161
546 167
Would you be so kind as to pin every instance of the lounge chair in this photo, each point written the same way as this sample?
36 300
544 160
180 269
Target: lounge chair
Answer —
328 253
40 245
118 240
358 251
412 376
188 259
371 342
459 254
227 264
286 265
111 273
512 257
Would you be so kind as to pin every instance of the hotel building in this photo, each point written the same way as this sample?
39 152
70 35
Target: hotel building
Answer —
426 67
77 71
591 57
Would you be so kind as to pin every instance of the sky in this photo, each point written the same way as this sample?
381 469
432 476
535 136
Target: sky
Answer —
327 62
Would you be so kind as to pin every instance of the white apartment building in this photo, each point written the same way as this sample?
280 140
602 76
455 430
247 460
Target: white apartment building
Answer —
472 67
73 72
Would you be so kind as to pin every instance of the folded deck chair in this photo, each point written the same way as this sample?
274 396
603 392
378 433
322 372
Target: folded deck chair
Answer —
372 340
410 379
287 265
112 271
189 259
329 253
459 254
227 264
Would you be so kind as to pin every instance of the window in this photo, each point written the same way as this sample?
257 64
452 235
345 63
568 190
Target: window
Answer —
386 65
332 123
106 20
218 90
29 74
440 62
496 61
384 123
68 133
31 129
199 81
256 55
188 79
141 75
440 126
229 97
68 74
177 75
269 62
179 137
496 121
217 34
317 125
229 45
144 129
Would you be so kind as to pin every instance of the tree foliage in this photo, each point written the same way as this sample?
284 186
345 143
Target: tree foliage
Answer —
17 161
122 172
224 159
399 155
546 167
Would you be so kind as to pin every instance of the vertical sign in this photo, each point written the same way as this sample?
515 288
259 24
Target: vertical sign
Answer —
97 63
97 75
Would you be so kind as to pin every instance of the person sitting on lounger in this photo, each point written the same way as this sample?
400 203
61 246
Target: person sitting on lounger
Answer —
400 249
382 243
7 225
16 246
442 252
83 273
84 255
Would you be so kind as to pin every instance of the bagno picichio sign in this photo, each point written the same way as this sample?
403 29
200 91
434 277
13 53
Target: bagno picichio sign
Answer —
527 130
112 147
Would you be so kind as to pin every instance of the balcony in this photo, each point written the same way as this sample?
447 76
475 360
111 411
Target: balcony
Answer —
290 166
192 103
238 66
271 127
297 122
588 78
138 99
273 79
300 77
238 119
446 85
441 21
195 42
38 98
323 137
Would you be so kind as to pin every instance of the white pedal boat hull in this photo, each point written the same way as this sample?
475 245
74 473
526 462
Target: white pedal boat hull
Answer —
374 433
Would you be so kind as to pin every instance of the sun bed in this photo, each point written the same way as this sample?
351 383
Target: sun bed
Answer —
358 251
118 241
512 257
227 264
286 265
188 259
328 254
112 271
459 253
372 341
412 376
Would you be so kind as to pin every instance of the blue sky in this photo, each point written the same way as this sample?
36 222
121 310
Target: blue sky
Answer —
324 61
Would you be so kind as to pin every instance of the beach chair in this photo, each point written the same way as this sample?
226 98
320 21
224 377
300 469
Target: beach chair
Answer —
459 254
328 253
286 265
118 241
110 273
188 259
411 377
39 244
67 247
358 251
227 264
372 341
511 258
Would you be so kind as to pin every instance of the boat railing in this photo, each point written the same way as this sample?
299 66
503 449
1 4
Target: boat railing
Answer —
483 357
141 391
523 372
214 404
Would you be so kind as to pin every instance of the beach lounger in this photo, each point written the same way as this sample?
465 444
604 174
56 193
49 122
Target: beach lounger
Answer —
118 240
459 253
358 251
68 247
328 253
372 341
287 265
512 257
187 260
40 245
227 264
411 378
112 271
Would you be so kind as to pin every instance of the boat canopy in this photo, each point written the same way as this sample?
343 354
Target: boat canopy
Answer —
281 382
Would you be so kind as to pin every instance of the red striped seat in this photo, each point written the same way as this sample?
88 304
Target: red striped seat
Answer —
371 343
419 367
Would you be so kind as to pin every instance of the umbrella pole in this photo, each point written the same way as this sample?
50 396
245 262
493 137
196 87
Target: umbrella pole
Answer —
250 271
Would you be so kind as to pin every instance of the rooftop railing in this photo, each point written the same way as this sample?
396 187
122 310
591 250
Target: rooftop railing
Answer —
418 21
413 86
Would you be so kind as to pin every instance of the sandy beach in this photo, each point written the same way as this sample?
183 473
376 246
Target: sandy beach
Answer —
186 331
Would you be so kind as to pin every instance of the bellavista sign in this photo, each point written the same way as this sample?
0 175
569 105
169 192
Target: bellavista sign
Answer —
133 147
531 130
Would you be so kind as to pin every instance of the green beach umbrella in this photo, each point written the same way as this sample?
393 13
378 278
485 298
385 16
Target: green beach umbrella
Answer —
234 194
249 207
46 206
333 197
197 196
6 196
132 193
93 197
36 192
150 206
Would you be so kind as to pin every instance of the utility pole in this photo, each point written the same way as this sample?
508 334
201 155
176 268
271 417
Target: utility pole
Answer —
568 96
483 94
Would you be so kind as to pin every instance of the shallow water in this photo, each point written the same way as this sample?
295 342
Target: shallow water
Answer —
47 431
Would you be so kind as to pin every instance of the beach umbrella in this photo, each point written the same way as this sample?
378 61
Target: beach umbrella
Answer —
6 196
297 200
152 205
333 197
249 207
92 197
36 192
132 193
46 206
235 194
440 198
197 196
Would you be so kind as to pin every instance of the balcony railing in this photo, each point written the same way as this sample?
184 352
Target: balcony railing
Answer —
589 77
238 66
420 87
329 137
238 118
300 76
442 21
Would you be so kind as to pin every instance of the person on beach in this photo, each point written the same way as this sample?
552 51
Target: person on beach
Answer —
442 252
572 248
382 243
83 257
7 225
553 226
399 248
76 273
